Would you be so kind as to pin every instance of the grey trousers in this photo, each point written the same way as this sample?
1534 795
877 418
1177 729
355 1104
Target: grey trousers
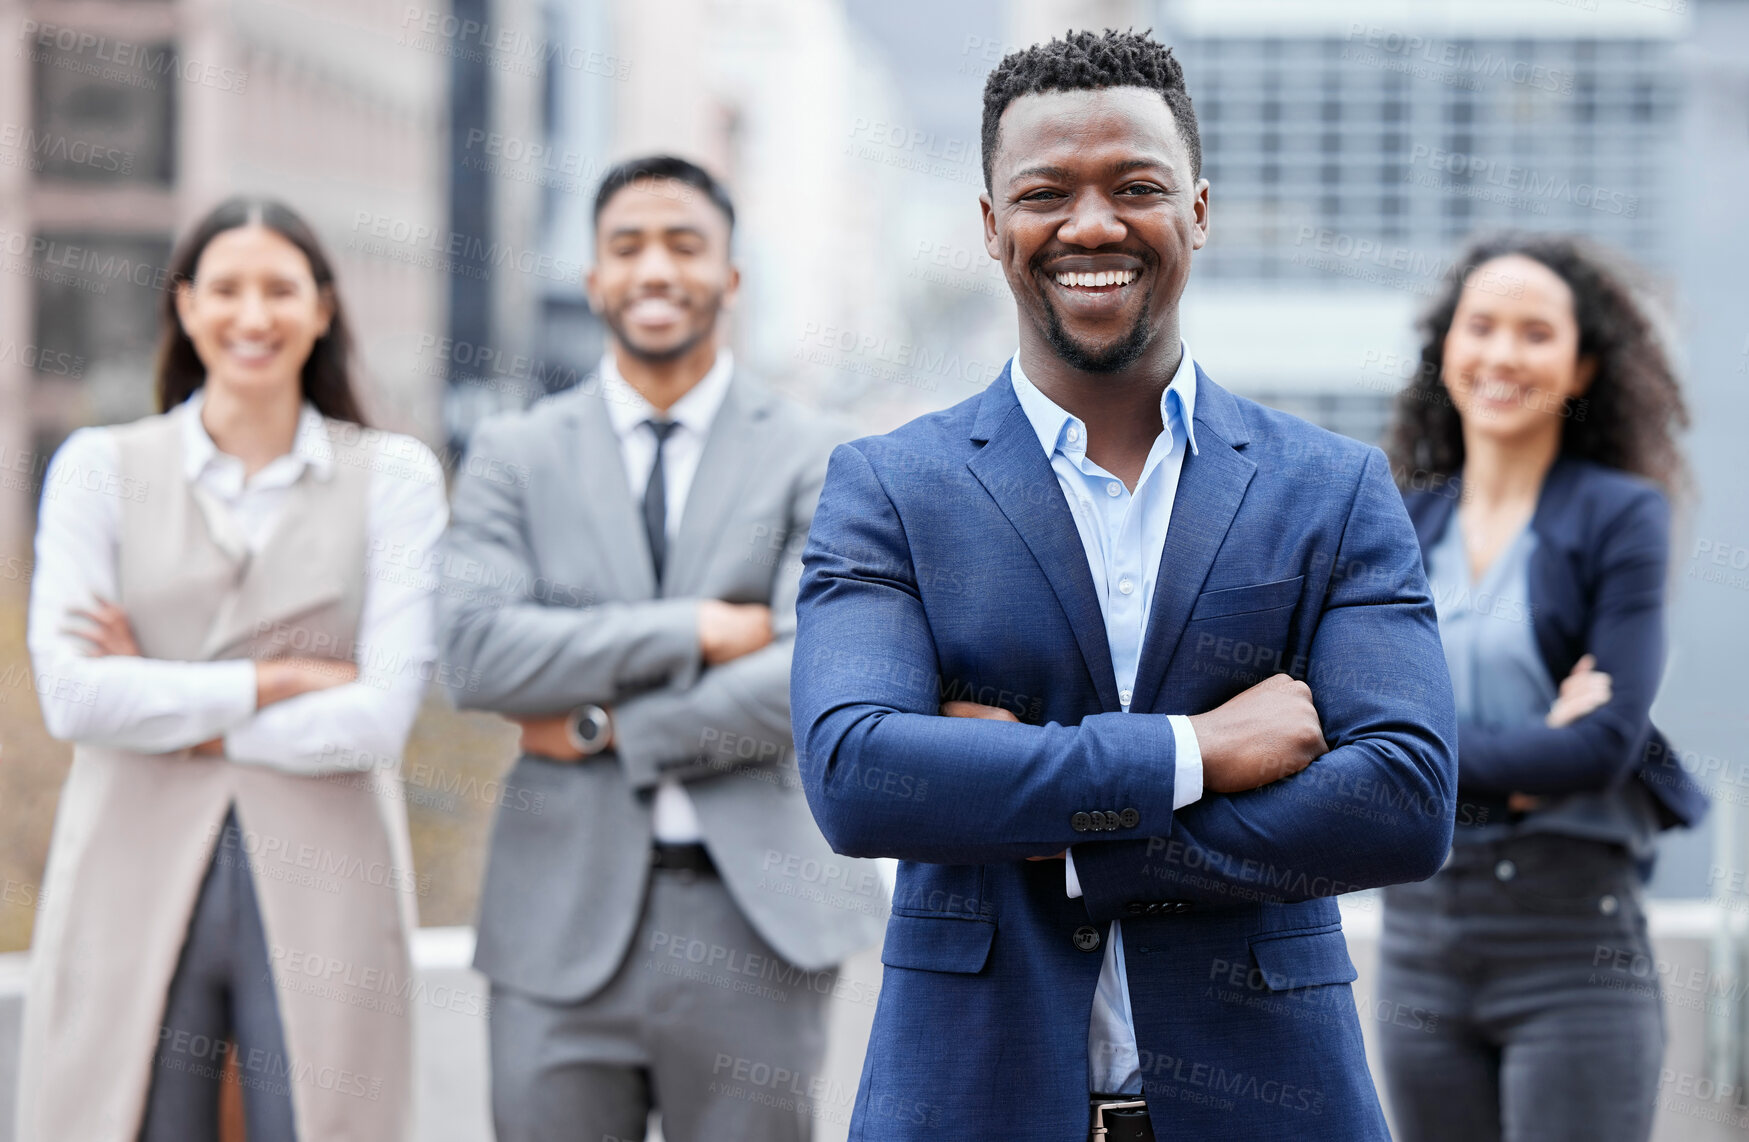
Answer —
702 1022
1509 1020
222 990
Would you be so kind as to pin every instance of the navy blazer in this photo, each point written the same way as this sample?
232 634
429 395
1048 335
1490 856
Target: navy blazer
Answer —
943 563
1596 586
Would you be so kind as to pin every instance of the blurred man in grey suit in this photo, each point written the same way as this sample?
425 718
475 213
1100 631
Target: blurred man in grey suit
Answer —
661 919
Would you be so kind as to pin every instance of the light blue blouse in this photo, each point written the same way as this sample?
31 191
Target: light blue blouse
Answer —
1498 680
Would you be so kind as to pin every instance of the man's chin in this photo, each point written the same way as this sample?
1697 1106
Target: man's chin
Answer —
1107 356
661 352
1097 354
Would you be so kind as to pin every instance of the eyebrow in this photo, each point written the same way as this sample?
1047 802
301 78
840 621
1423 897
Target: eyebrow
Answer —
667 232
1122 167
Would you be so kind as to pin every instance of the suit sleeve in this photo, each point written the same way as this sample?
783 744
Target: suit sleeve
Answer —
866 688
525 644
1378 807
737 714
1626 634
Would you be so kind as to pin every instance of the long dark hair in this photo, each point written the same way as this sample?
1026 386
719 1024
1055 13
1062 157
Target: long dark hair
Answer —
327 374
1627 418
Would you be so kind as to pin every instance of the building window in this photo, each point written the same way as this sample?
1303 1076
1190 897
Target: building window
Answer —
105 116
102 293
1372 152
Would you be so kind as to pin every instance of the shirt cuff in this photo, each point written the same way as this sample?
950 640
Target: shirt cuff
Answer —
1187 783
233 696
1071 882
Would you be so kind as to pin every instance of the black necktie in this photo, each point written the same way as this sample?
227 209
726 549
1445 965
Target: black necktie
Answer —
656 499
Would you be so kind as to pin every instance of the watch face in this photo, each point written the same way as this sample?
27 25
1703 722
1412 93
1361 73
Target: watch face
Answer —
588 727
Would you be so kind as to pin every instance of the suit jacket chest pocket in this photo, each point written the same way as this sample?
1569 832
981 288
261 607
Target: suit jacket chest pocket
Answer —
1241 634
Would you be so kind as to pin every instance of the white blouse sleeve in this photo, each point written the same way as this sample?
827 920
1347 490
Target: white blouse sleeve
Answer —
148 705
363 725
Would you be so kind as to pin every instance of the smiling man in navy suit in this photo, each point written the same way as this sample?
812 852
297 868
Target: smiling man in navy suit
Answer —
1133 675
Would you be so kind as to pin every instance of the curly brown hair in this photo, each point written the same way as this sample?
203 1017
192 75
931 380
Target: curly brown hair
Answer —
1628 417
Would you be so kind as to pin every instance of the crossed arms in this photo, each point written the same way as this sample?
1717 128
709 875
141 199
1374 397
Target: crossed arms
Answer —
1001 791
678 675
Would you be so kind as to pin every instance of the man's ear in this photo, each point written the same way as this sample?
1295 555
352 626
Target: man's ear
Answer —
732 288
592 291
992 244
1201 210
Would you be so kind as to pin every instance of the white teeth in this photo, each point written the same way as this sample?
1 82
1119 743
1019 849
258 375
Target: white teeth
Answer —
1096 281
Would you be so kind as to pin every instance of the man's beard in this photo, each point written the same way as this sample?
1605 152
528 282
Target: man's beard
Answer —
1114 358
713 305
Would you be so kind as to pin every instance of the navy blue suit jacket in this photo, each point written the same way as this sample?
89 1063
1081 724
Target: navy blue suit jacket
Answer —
943 563
1596 586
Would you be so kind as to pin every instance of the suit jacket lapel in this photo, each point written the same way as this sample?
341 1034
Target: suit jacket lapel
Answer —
604 499
731 452
1017 474
1211 486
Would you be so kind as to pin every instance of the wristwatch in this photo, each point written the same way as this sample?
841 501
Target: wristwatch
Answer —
589 729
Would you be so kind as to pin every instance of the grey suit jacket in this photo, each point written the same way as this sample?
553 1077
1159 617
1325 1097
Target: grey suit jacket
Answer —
549 601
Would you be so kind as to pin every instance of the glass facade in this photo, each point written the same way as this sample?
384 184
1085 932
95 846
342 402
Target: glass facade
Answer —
1365 160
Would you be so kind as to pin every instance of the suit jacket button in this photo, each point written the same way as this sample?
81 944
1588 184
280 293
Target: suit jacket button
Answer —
1110 820
1080 822
1135 908
1087 937
1155 908
1181 906
1129 818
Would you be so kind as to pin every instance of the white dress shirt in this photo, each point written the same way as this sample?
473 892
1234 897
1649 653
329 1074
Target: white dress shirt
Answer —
1124 535
153 705
674 820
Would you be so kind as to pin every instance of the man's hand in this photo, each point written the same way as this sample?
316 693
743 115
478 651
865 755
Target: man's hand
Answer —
726 631
958 709
545 736
1261 735
1582 691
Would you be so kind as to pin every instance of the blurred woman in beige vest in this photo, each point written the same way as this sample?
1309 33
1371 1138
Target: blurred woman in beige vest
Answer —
233 608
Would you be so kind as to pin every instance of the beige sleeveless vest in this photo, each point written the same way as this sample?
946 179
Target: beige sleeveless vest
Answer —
135 833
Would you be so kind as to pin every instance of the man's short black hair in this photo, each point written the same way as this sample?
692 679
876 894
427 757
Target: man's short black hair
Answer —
1083 61
680 170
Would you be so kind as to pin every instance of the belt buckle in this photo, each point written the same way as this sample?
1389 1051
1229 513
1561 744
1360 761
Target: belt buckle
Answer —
1100 1130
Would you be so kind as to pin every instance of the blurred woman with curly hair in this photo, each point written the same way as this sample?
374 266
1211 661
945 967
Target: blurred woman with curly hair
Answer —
1536 447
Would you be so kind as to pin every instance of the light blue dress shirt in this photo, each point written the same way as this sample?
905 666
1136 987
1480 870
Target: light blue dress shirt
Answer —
1124 534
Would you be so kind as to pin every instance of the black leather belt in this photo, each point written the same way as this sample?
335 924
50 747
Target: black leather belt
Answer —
695 858
1119 1118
